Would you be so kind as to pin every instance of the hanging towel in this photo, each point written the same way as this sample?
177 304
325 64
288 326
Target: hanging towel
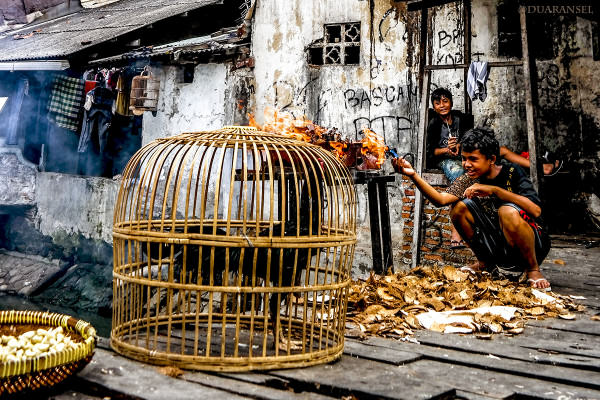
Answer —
122 102
476 80
64 107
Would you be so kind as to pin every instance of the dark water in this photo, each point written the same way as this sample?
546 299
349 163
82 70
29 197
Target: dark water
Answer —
11 302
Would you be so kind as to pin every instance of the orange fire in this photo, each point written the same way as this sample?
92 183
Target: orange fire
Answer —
339 148
373 149
372 145
284 123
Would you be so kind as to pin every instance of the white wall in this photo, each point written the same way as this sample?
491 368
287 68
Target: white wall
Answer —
187 107
75 205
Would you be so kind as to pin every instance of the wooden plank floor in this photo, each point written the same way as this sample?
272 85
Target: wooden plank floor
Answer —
552 359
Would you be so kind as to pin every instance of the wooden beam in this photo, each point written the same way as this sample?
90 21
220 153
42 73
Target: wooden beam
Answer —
515 63
530 111
445 66
423 48
467 52
419 5
419 166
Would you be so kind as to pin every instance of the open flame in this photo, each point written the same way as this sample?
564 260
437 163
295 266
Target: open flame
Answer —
340 149
373 149
284 123
372 146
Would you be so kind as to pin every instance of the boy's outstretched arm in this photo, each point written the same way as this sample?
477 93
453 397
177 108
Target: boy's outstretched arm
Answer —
439 199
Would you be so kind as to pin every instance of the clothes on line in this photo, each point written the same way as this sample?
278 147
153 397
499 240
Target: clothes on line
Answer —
66 99
476 80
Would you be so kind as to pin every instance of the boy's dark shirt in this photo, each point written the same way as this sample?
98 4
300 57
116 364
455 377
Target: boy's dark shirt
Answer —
511 177
514 179
437 133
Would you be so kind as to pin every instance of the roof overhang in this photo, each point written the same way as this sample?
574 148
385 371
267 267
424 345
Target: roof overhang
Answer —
50 65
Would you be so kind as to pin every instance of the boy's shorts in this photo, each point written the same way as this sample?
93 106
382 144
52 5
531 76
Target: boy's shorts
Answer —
490 245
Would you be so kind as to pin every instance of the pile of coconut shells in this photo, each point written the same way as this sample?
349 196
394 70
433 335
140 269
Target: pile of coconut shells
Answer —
451 301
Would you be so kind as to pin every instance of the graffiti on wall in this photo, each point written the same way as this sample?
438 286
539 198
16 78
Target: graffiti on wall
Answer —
391 127
359 99
450 46
552 90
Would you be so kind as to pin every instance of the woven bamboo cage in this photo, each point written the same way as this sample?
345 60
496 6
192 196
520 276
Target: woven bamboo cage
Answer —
232 252
51 367
144 93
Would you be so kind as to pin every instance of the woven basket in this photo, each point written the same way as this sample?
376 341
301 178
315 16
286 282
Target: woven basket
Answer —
49 369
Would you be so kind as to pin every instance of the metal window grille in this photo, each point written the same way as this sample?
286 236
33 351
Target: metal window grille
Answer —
340 45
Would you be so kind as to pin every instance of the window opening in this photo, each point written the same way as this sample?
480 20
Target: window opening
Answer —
340 45
509 29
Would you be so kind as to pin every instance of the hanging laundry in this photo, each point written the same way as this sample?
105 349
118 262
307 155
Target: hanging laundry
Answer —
89 75
122 102
95 131
89 85
476 80
64 106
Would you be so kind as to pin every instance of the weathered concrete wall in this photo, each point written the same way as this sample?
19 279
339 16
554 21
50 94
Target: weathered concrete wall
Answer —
569 117
379 93
73 205
65 217
17 179
186 107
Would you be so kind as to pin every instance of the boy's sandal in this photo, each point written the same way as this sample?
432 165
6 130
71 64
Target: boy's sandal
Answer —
532 282
457 244
555 168
471 270
549 158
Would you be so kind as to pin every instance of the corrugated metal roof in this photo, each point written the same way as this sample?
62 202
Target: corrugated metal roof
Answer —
67 35
227 39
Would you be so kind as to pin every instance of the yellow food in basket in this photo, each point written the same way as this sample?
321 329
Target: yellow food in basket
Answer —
34 344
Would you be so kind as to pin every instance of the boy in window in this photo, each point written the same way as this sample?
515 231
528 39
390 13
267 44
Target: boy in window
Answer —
496 210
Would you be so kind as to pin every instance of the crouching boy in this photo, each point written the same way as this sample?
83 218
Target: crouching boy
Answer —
497 211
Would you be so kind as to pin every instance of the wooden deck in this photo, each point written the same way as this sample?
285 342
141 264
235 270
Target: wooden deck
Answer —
552 359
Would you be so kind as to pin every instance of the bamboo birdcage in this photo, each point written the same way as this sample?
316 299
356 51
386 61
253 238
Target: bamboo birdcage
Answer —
144 93
232 252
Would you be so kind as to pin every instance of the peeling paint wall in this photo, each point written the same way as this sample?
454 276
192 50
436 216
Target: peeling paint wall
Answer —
69 218
73 205
17 179
186 107
379 93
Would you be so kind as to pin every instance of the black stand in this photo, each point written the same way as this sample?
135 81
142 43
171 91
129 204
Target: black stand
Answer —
379 215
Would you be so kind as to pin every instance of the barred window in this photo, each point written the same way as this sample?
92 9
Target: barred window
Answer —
339 46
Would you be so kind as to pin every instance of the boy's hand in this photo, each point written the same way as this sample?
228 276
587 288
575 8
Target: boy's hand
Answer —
479 190
402 166
453 146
